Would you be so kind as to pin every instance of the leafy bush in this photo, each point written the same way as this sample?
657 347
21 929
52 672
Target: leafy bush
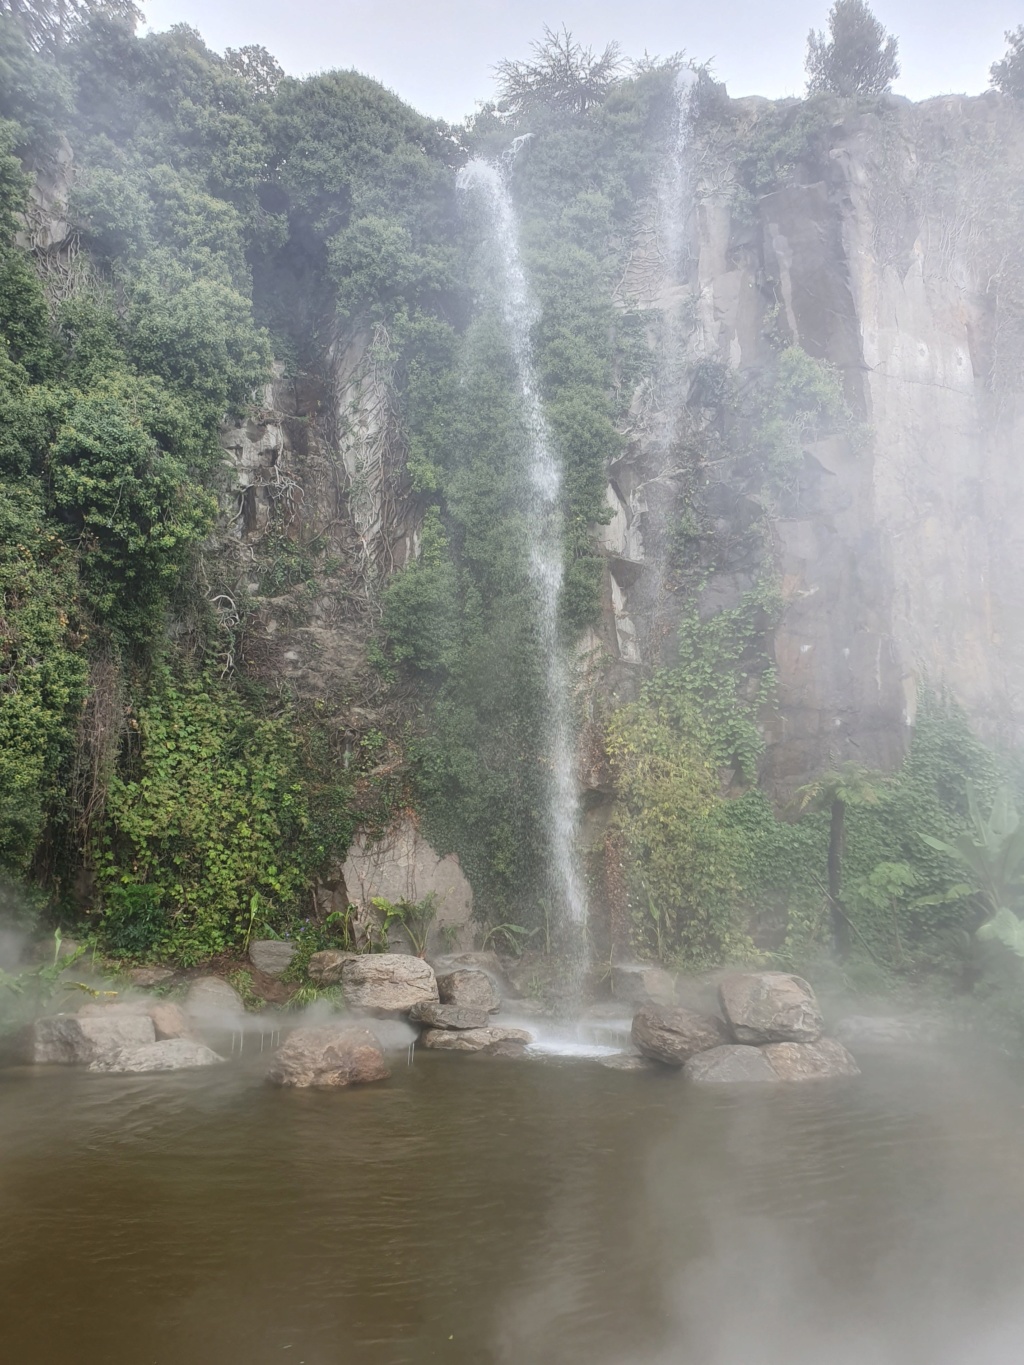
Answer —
208 810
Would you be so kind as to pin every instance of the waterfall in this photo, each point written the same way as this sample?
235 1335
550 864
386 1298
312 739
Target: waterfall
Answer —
653 501
489 186
673 190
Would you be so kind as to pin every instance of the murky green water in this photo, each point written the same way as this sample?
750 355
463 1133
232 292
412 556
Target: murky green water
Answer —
479 1210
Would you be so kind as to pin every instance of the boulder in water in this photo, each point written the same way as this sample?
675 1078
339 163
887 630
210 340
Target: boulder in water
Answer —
328 1057
474 1039
271 955
76 1040
447 1016
388 983
674 1034
770 1007
730 1064
470 988
167 1054
820 1061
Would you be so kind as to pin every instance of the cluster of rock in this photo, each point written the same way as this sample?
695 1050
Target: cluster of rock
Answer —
125 1036
771 1029
453 1008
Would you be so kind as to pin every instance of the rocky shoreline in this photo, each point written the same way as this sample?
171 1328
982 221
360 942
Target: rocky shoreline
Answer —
769 1026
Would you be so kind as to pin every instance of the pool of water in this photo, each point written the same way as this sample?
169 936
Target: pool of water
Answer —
475 1210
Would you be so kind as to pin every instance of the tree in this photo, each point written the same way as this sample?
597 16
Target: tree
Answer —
563 75
1008 74
260 69
859 57
48 24
848 785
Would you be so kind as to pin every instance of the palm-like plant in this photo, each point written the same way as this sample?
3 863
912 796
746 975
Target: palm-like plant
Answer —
991 851
834 791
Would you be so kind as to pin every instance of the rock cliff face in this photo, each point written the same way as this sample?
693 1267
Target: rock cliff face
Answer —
898 554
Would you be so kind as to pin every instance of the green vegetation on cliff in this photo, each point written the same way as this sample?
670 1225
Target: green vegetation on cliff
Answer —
155 784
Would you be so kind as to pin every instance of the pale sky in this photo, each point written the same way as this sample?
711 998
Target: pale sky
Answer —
439 54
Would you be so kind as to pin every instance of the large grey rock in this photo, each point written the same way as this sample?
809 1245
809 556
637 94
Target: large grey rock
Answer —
388 982
820 1061
470 988
325 967
481 960
271 955
212 1000
730 1064
74 1040
642 983
448 1016
770 1007
674 1034
403 866
328 1057
167 1054
473 1040
169 1019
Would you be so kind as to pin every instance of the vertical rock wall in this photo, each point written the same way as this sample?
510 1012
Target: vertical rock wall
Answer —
899 558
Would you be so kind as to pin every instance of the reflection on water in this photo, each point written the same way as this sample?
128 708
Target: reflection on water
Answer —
477 1210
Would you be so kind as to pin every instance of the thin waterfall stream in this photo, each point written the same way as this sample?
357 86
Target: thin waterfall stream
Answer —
490 186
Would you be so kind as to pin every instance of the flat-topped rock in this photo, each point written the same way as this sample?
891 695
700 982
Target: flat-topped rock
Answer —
328 1057
325 968
388 982
271 955
770 1007
469 987
820 1061
473 1040
673 1034
167 1054
447 1016
76 1040
730 1064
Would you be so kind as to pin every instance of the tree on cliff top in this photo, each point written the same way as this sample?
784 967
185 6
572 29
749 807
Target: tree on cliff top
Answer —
49 24
858 58
1008 75
563 75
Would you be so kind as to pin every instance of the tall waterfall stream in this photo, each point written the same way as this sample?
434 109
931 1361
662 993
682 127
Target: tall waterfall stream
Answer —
542 497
